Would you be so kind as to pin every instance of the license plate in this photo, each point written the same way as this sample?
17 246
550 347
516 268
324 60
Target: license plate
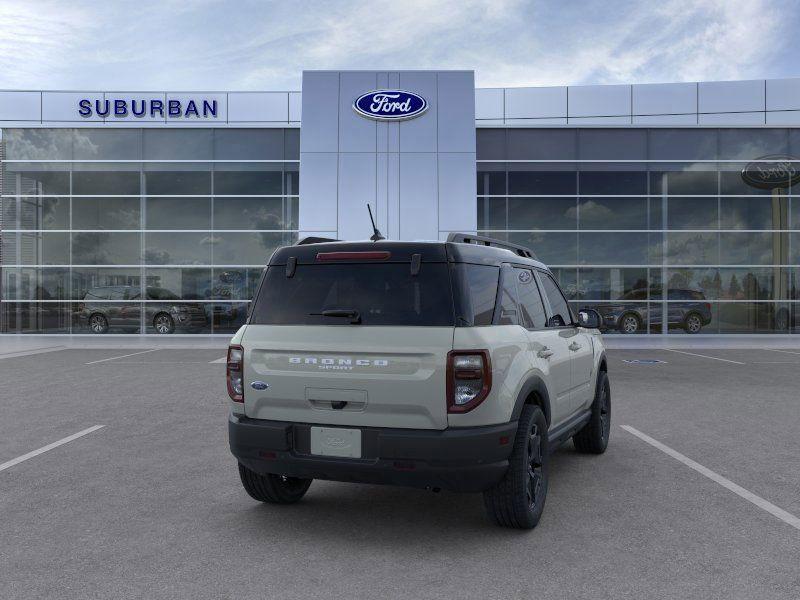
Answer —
332 441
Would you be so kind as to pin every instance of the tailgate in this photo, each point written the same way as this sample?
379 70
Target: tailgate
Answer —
376 376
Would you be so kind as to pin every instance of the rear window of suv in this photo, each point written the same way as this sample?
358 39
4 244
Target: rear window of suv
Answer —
382 294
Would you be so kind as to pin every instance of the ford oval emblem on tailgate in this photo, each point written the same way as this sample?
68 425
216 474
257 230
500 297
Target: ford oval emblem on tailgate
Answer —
259 385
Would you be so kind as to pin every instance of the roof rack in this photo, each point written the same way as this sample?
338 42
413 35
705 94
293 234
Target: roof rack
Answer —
314 240
479 240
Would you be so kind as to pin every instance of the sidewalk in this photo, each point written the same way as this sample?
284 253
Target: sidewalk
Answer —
21 343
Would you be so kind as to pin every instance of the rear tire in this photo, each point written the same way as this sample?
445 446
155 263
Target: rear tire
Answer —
98 323
693 323
163 324
593 438
518 500
630 323
274 489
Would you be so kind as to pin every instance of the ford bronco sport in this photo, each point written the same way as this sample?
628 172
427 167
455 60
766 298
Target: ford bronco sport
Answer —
451 365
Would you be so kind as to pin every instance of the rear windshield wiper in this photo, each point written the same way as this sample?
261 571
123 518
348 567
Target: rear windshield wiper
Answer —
344 313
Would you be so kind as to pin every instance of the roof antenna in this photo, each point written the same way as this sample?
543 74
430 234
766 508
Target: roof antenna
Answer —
376 236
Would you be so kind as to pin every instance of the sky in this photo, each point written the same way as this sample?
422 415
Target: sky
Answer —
204 45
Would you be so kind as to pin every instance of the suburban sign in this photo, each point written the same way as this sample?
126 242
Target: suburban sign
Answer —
390 105
773 171
154 107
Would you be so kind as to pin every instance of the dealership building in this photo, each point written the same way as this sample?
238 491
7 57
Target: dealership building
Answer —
672 209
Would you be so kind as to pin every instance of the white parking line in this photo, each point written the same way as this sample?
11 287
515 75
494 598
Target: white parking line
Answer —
94 362
784 351
43 449
736 362
224 359
716 477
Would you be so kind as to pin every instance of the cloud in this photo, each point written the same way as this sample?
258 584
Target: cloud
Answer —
252 44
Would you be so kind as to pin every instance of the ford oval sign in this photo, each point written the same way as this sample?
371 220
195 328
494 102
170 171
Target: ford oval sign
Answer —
770 172
390 105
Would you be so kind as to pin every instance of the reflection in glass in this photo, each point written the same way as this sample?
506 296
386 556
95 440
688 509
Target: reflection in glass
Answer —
693 248
179 248
248 248
250 182
178 183
541 213
553 249
111 182
177 213
612 213
251 213
614 248
226 317
39 213
613 284
185 284
105 248
522 181
90 283
753 248
33 318
105 213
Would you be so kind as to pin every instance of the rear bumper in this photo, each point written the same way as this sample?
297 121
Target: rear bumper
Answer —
469 459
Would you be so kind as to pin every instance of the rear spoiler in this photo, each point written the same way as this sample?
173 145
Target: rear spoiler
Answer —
315 240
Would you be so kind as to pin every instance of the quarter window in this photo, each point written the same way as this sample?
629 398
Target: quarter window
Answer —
507 299
530 300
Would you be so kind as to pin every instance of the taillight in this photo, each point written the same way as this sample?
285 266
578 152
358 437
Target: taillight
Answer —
469 379
235 373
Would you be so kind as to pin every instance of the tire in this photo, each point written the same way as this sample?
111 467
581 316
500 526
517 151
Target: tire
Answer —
163 323
693 323
98 323
629 323
518 500
273 489
593 438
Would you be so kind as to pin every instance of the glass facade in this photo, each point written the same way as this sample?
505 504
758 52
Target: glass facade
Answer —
141 230
166 230
656 228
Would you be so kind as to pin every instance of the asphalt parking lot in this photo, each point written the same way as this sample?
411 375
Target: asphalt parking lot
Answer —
150 505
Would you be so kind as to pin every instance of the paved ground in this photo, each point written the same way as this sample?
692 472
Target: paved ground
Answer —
150 505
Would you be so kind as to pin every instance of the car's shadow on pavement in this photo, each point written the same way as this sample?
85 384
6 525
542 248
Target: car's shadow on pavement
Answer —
331 511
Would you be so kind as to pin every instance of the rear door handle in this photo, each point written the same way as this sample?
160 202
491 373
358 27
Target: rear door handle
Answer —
574 346
544 353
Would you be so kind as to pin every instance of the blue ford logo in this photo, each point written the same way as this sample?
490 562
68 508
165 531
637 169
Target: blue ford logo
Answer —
259 385
390 105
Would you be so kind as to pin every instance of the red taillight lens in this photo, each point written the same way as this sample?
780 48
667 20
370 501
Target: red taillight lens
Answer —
469 379
235 373
371 255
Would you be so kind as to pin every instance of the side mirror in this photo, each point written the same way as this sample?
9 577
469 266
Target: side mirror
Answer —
589 318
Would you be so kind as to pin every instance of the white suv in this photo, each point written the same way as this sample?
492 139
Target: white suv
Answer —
455 365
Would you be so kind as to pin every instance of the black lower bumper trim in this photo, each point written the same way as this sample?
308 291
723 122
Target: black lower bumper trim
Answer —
468 459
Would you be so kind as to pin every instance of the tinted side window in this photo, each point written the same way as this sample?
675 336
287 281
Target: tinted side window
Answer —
475 293
557 302
530 301
507 299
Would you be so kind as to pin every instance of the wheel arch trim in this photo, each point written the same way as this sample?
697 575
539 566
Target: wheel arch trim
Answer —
533 385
